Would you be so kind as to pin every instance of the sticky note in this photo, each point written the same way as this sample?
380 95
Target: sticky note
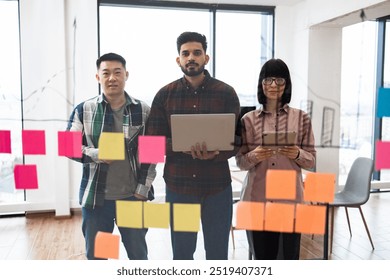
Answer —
382 152
250 215
280 184
33 142
5 141
69 144
319 187
186 217
151 149
111 146
383 108
107 245
25 176
156 215
279 217
310 219
129 213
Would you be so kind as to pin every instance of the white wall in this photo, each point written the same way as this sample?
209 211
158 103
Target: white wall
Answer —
60 59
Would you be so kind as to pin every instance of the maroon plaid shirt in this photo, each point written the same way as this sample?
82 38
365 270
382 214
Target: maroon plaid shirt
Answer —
182 173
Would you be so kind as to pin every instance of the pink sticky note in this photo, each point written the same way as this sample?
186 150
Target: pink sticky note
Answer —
5 141
382 155
33 142
25 176
69 144
151 149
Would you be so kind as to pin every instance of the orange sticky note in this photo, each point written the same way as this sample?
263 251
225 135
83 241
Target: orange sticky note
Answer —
382 151
250 215
25 176
310 219
151 149
111 146
5 141
129 213
186 217
319 187
106 245
280 184
69 144
156 215
279 217
33 142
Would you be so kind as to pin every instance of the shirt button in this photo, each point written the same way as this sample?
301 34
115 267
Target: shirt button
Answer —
193 176
273 164
194 106
195 92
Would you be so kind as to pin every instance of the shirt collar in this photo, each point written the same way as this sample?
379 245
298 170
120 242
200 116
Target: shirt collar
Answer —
129 99
207 78
284 108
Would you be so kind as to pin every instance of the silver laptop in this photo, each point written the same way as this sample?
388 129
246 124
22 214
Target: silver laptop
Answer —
216 130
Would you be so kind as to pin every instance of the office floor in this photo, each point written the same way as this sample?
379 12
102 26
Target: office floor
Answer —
42 237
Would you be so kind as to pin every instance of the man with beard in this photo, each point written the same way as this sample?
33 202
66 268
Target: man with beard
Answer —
198 176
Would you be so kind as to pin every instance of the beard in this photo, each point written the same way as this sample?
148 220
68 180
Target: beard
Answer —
192 71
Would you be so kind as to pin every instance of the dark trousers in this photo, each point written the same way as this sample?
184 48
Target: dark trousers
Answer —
265 245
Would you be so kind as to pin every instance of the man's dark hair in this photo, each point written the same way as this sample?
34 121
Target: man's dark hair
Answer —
274 68
110 57
186 37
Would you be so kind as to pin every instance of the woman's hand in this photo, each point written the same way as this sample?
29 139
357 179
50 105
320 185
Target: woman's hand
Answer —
292 152
261 153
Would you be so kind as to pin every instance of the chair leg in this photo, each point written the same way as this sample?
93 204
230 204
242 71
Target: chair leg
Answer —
349 223
365 225
232 231
331 228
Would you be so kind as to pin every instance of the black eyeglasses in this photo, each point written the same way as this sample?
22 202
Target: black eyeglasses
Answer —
278 81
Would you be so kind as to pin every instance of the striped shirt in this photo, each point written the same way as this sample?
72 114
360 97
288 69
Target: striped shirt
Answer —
94 116
254 124
182 173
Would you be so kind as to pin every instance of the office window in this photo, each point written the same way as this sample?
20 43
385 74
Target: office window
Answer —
357 94
385 174
149 48
240 54
10 96
239 41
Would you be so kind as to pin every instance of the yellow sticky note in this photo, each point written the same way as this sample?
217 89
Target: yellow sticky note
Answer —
156 215
186 217
310 219
106 245
129 214
111 146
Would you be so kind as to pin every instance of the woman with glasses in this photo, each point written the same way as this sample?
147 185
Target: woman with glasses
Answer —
275 115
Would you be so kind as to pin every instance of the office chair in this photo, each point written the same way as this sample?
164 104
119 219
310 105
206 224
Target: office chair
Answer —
355 193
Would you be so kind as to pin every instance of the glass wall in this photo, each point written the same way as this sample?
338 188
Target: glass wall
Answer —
10 99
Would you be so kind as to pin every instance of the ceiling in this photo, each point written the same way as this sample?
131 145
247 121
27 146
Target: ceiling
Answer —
249 2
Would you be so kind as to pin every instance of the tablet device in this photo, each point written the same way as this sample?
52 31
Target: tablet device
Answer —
275 139
216 130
